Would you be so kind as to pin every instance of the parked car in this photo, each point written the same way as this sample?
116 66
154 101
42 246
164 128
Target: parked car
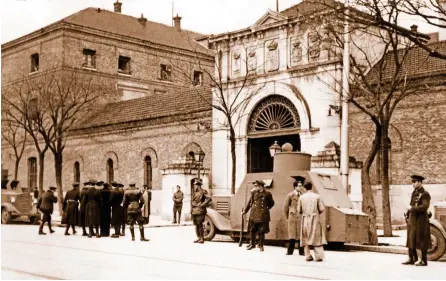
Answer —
17 203
438 232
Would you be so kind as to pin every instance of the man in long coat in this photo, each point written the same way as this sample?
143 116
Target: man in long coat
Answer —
200 201
46 205
116 198
105 211
312 233
83 208
292 214
418 231
133 202
71 209
147 197
124 215
177 204
261 201
92 215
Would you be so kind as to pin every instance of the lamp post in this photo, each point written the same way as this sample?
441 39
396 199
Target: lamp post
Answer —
273 149
199 157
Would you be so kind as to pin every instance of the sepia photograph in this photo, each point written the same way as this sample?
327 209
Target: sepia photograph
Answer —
223 139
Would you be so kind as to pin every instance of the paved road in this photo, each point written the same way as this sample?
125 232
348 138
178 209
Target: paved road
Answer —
171 255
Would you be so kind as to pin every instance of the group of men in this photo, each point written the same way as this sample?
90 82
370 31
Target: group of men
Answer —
306 205
101 208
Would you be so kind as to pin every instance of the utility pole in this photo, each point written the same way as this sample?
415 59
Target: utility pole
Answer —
345 95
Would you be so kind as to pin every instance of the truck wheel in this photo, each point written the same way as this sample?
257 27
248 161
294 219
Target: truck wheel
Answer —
209 229
5 216
438 244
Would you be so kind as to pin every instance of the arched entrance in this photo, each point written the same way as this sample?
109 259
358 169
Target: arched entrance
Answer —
275 118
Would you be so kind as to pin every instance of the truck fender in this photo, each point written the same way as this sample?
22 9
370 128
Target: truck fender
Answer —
438 225
220 222
9 207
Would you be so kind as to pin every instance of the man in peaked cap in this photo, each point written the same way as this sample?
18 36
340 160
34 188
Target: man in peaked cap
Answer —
92 215
133 202
261 201
292 214
418 230
70 208
105 210
200 201
116 198
124 214
46 205
83 207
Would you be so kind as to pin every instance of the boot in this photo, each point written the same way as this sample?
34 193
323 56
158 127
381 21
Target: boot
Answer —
197 228
98 235
66 229
261 241
253 241
179 217
174 218
116 235
41 229
421 263
141 230
90 231
408 262
291 245
49 226
84 232
132 231
74 229
201 241
301 249
123 230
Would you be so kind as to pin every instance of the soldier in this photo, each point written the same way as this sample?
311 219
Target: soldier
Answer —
70 208
83 208
105 211
177 204
116 197
311 231
133 202
261 201
92 216
124 215
418 231
200 200
147 197
292 215
46 205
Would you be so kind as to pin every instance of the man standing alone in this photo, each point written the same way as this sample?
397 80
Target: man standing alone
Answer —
200 201
46 205
133 202
177 204
418 231
311 231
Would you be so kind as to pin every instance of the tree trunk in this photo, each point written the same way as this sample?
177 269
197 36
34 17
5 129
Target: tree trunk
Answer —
233 157
387 217
58 160
368 204
16 167
41 171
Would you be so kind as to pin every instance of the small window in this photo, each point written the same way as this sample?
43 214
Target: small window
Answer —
34 62
124 65
110 171
166 72
32 172
77 172
89 58
198 77
148 172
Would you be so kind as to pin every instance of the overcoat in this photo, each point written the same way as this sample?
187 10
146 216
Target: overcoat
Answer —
292 214
200 201
116 197
418 230
259 203
105 211
147 197
46 202
311 232
92 214
70 207
133 201
83 206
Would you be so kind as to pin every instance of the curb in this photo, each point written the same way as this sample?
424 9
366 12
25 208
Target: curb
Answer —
379 249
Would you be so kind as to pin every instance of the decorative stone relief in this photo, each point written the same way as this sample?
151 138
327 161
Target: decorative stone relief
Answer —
252 60
273 56
314 49
236 62
296 50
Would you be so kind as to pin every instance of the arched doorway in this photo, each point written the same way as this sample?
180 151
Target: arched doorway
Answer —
275 118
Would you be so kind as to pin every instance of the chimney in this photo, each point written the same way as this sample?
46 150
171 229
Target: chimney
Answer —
118 6
414 28
177 23
142 20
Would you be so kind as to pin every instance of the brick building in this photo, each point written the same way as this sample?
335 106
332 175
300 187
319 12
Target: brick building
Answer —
153 119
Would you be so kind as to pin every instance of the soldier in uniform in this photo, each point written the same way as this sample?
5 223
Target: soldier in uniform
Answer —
83 208
124 215
70 208
200 200
261 201
116 197
105 211
92 216
418 231
46 205
147 197
133 202
292 214
177 204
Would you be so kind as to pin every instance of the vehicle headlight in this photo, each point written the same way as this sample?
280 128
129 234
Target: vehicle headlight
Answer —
12 198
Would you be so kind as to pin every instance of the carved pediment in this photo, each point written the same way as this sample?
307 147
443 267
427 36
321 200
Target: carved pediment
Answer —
269 18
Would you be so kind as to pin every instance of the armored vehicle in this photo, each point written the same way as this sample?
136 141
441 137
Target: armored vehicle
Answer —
17 203
438 232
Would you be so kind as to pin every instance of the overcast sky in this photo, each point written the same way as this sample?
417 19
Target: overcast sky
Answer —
20 17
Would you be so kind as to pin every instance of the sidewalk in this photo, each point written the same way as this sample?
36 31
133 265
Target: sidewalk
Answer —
393 245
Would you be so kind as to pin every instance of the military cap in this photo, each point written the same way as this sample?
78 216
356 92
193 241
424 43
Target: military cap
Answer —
52 188
92 182
261 183
99 183
132 184
417 178
198 182
86 183
75 184
114 184
106 185
120 185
